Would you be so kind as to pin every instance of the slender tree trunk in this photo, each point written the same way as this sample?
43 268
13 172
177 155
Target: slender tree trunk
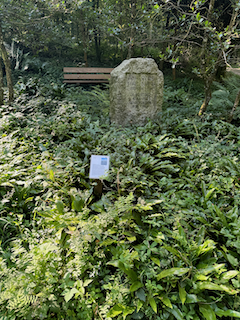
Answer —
83 32
208 95
7 64
208 79
97 45
1 83
234 106
133 30
97 35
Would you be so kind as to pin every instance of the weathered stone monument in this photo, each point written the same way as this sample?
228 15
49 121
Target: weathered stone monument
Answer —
136 92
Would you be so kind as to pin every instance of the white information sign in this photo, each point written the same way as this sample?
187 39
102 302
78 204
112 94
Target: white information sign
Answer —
99 165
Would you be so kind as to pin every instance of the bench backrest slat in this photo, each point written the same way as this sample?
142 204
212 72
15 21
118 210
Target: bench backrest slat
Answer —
87 70
86 76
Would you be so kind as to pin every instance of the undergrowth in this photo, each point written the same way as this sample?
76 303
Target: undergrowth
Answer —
162 243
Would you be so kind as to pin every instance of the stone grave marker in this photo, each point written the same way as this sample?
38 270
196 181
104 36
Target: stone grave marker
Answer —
136 92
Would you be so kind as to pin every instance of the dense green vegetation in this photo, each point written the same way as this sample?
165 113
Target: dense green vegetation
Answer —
161 243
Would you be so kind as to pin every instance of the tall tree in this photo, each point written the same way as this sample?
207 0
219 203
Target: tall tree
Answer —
7 64
202 29
1 83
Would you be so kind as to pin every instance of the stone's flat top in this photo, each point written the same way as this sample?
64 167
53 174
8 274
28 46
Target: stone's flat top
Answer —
137 65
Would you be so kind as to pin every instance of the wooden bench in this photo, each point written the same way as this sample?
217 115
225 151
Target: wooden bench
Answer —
86 75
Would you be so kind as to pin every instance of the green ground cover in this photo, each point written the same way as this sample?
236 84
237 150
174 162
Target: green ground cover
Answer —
162 243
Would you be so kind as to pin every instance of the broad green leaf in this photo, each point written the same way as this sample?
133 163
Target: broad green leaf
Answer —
60 206
113 263
227 313
131 239
139 305
87 282
182 234
165 300
77 203
135 286
192 298
230 274
208 286
209 193
70 293
232 260
115 311
182 294
153 304
205 247
200 235
107 242
201 277
221 216
51 175
207 312
155 260
205 271
121 266
176 312
171 272
203 185
141 295
127 311
131 274
228 289
173 251
212 286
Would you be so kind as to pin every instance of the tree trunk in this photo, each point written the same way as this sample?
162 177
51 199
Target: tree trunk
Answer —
208 95
97 44
83 31
97 35
1 83
133 30
234 106
7 64
204 56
